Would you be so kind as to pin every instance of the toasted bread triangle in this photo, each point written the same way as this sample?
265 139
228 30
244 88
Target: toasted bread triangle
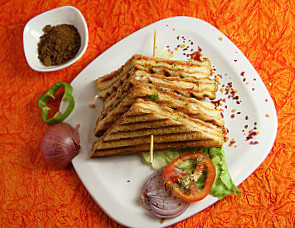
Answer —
177 127
191 69
197 109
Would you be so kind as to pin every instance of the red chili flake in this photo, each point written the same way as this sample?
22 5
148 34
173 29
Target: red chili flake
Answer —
232 142
246 126
254 79
217 102
192 43
221 114
196 55
235 60
238 102
243 73
177 37
246 117
232 116
266 100
251 134
238 113
255 123
253 142
225 106
244 79
253 89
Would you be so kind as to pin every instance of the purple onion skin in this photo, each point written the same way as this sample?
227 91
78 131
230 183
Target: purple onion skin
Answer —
160 201
60 144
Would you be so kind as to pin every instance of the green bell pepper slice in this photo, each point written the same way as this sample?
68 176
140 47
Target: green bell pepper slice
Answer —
44 99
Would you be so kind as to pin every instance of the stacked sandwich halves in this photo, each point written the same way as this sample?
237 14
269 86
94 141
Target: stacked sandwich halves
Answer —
164 98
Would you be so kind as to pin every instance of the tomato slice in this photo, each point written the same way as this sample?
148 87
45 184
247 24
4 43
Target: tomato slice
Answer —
182 184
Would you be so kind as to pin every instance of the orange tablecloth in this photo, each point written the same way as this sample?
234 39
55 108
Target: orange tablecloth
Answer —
31 195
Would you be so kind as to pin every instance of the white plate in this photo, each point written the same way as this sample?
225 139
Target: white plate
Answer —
115 183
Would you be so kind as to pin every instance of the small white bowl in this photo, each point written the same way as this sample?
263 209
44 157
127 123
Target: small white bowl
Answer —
34 29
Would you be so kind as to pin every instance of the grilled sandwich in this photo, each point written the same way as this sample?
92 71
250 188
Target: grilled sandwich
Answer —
198 109
164 98
170 128
109 83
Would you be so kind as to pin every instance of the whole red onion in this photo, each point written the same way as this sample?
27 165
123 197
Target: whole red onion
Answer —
60 144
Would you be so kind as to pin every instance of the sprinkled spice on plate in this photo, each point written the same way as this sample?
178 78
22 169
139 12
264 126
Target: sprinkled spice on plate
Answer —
226 89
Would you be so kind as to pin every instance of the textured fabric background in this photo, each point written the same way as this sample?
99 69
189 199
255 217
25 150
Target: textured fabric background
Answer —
31 195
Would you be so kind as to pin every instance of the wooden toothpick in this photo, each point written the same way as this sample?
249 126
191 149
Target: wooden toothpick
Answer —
155 41
152 150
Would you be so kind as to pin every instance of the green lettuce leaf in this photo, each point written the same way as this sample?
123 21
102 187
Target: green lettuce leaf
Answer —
223 184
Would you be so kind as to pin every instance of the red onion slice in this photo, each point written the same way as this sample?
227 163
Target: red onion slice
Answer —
159 200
